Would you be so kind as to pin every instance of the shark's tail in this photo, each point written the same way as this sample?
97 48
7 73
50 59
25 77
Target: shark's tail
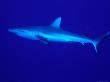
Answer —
97 43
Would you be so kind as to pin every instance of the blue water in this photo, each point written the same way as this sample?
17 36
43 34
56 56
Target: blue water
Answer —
23 60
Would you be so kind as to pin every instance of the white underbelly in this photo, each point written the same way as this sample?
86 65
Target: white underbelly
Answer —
28 36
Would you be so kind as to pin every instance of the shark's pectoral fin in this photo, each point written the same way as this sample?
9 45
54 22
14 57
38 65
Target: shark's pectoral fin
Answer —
43 40
83 43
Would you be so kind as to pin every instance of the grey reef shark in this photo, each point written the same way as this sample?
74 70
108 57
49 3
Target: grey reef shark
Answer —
54 33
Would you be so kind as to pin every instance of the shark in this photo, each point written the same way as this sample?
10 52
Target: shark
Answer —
55 33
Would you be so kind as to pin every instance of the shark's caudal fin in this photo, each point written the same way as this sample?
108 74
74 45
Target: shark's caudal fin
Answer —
96 46
97 43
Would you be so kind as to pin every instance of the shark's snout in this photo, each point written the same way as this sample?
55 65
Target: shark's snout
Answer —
11 30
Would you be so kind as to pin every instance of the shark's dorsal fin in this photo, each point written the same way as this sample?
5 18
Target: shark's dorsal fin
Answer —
56 23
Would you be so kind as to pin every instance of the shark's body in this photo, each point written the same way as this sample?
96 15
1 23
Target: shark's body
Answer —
53 32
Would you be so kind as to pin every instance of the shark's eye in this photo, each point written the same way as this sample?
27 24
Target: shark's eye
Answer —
22 30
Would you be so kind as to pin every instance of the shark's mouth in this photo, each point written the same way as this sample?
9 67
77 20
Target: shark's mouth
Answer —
11 30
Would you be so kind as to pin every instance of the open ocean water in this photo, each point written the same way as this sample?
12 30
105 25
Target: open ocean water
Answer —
23 60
